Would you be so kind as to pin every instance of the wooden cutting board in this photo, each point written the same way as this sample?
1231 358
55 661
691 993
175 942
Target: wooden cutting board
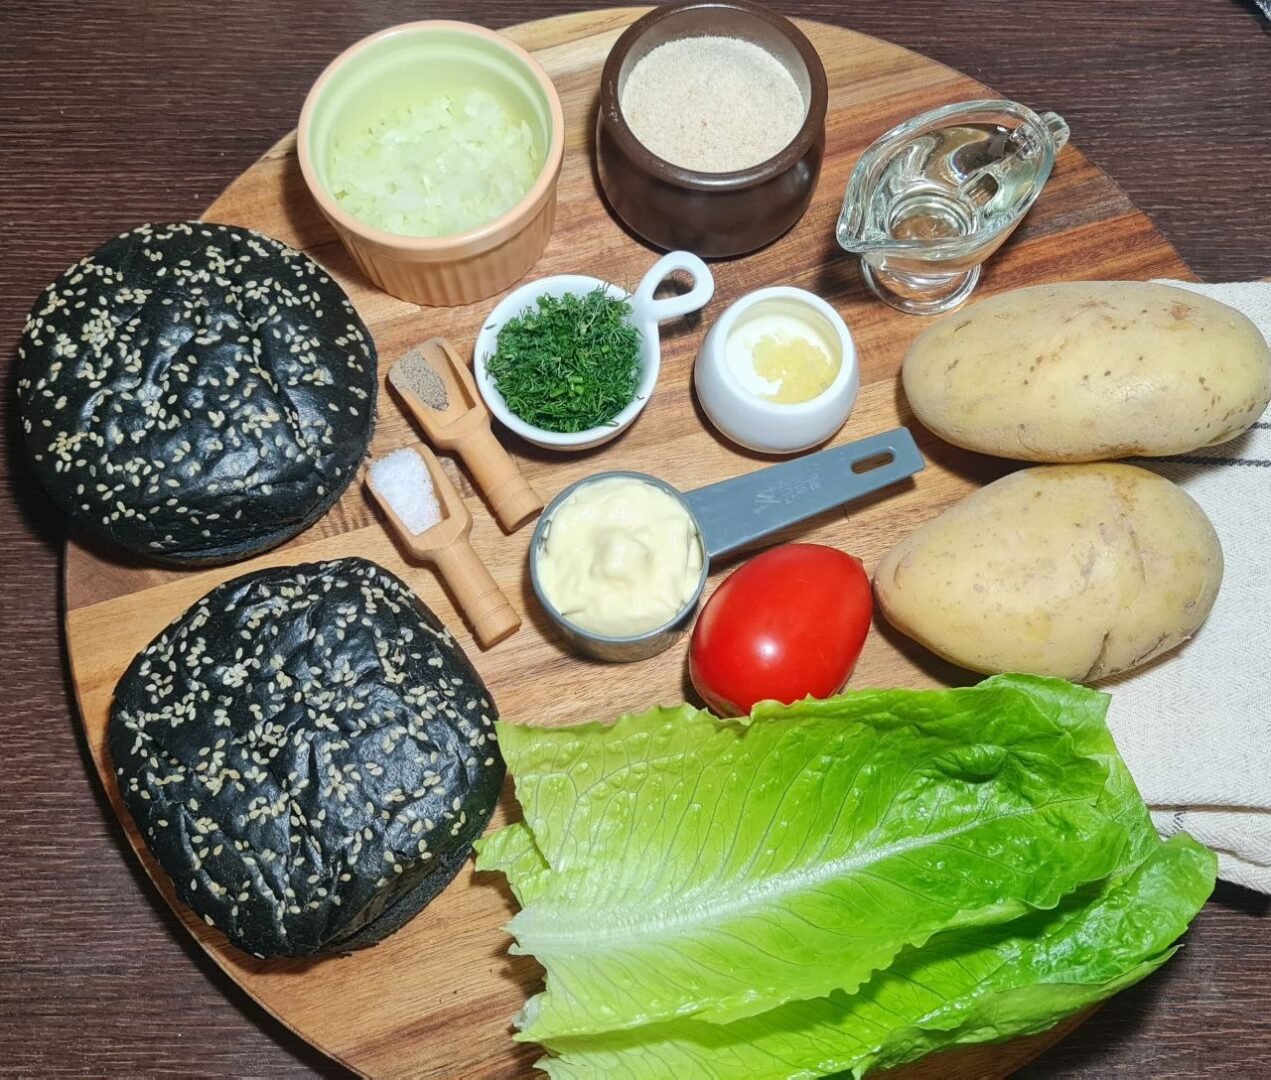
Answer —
436 998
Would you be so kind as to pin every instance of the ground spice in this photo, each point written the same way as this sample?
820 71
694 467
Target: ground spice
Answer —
416 374
712 104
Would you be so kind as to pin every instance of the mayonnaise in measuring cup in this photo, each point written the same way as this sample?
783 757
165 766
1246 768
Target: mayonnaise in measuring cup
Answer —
621 557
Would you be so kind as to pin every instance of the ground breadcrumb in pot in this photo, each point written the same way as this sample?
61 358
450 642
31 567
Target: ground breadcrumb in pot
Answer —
712 104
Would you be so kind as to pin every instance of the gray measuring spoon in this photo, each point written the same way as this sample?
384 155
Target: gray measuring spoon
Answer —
736 513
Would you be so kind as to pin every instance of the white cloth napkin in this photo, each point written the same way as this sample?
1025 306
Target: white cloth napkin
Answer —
1195 728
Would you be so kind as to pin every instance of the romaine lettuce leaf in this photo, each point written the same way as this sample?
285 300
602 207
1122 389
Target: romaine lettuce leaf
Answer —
1081 711
512 852
967 986
675 865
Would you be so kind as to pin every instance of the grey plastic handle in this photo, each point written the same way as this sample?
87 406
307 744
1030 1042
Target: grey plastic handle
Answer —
737 512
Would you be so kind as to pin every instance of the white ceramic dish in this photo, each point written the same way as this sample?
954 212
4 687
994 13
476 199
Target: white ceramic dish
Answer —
646 314
769 426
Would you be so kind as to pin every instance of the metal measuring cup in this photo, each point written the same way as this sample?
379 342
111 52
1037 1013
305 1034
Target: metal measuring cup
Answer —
736 513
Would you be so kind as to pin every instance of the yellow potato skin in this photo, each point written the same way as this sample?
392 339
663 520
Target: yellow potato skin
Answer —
1089 371
1078 571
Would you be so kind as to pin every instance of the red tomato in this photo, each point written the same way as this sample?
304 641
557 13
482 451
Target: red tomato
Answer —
789 623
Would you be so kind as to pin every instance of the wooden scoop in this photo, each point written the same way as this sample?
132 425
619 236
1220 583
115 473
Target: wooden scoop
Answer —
446 546
464 426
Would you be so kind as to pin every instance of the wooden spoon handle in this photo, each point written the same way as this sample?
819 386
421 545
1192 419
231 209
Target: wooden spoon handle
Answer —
476 593
510 496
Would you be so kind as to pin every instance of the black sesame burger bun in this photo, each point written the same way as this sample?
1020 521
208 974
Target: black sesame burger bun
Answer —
308 754
196 393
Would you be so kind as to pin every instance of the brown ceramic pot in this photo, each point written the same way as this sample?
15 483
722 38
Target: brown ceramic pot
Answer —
711 214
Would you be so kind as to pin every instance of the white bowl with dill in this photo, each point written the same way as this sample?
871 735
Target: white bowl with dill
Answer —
642 313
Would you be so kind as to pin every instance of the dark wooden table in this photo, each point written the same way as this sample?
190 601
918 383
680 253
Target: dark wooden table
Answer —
117 111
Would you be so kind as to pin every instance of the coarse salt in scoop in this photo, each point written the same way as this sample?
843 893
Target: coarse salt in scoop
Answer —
430 520
402 479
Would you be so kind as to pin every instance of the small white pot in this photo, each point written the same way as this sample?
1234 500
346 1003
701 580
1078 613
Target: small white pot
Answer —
770 426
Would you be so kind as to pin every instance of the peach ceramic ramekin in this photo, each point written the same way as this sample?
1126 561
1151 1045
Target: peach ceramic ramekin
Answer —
390 67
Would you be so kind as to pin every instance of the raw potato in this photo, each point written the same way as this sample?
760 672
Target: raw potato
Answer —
1089 371
1079 571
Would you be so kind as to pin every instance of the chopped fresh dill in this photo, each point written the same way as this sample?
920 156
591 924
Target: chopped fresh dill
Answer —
569 363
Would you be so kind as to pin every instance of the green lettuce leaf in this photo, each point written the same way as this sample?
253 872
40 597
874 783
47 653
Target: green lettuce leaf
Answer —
967 986
675 865
512 852
1081 712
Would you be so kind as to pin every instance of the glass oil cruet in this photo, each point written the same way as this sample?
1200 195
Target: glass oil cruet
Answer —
933 198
